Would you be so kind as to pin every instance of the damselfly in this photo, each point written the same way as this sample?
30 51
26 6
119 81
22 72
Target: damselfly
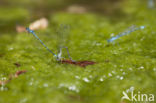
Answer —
32 32
63 37
131 29
59 56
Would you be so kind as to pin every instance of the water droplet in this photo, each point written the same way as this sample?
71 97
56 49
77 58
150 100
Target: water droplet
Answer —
23 100
3 88
45 85
31 83
61 85
115 52
77 77
113 72
142 39
134 44
104 76
141 68
86 79
69 87
3 78
121 78
115 66
123 73
101 79
142 27
10 48
110 74
130 69
121 70
117 76
98 44
33 67
112 34
90 76
73 87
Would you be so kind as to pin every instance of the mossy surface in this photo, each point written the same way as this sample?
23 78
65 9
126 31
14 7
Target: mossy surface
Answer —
128 62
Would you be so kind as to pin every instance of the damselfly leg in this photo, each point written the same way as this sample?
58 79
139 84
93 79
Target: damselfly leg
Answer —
59 57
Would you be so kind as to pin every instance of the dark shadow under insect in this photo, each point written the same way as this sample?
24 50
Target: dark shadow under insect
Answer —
79 63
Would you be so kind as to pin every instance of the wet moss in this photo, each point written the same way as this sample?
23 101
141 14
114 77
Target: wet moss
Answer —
132 60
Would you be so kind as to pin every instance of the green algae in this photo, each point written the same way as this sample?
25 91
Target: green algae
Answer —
129 62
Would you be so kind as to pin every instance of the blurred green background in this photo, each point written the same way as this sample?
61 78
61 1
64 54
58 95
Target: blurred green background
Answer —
14 12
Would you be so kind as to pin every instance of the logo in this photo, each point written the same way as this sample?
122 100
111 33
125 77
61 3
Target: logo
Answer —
137 97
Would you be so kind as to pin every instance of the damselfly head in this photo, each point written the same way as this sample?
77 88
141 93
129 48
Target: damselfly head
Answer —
30 31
